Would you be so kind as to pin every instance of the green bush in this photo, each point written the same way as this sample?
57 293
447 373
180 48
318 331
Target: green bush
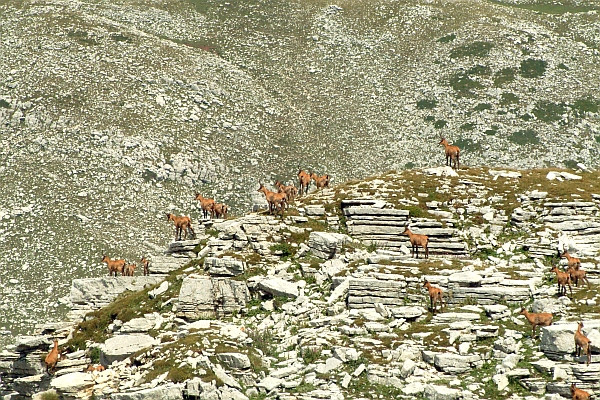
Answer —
285 249
469 126
524 136
505 75
475 49
509 98
447 38
467 144
439 124
463 84
532 68
426 104
483 106
549 112
94 355
583 106
481 70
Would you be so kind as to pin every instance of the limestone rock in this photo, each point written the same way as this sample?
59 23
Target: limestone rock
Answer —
234 360
279 287
226 266
436 392
119 347
165 392
326 245
202 296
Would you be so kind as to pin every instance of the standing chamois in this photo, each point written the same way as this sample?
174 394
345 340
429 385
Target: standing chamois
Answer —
207 205
145 262
304 181
129 269
114 266
52 358
435 295
275 200
321 182
182 224
582 343
578 394
290 190
220 210
562 279
573 262
416 241
452 153
578 274
536 319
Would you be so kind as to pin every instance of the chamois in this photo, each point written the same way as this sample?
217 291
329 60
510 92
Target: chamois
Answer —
52 357
582 343
435 295
536 319
290 190
571 261
182 224
416 241
207 205
320 181
578 394
275 200
129 269
114 266
578 274
98 368
304 180
452 153
562 279
220 210
145 264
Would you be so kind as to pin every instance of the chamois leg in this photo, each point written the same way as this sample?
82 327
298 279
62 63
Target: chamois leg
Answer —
426 251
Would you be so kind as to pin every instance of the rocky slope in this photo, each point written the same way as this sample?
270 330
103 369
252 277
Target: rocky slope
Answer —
328 302
113 113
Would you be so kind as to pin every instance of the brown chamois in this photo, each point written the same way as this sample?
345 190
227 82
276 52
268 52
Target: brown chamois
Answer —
114 266
321 182
129 269
304 181
452 153
578 394
207 205
92 368
577 275
221 210
416 241
562 279
290 190
536 319
582 343
52 357
182 224
573 262
435 295
275 200
145 263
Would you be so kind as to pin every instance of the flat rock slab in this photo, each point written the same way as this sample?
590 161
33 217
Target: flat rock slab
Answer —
72 383
557 340
326 245
279 287
94 293
234 360
436 392
119 347
167 392
202 296
226 266
453 317
465 279
408 312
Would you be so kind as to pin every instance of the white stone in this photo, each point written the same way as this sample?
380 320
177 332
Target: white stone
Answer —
436 392
73 382
408 367
279 287
119 347
501 380
331 364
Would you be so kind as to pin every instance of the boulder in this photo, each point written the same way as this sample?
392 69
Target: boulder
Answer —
166 264
202 296
326 245
557 340
234 360
119 347
226 266
73 383
162 288
465 279
166 392
279 287
94 293
436 392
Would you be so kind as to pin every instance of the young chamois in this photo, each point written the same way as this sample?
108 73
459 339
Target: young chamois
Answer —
182 224
452 153
52 357
92 368
207 206
321 182
536 319
114 266
290 190
416 241
435 295
304 180
578 274
578 394
563 279
145 264
129 269
582 343
573 262
275 200
220 210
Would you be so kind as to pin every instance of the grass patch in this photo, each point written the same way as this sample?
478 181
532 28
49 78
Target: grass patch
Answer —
533 68
283 249
505 75
446 39
480 70
468 145
582 107
548 111
463 84
508 98
4 104
524 137
554 7
426 104
440 124
469 126
482 107
49 396
474 49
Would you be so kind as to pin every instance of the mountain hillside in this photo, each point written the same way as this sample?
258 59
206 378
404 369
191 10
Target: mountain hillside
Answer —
113 113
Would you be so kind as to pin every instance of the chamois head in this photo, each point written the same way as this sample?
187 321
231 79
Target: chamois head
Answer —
426 283
169 216
523 311
406 230
443 141
104 258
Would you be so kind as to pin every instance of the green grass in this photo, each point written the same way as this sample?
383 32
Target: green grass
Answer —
548 111
426 104
505 75
463 84
474 49
482 107
446 39
509 98
533 68
582 107
547 7
524 137
467 144
440 124
469 126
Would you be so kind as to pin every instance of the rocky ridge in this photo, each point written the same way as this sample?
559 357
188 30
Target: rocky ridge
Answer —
297 308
